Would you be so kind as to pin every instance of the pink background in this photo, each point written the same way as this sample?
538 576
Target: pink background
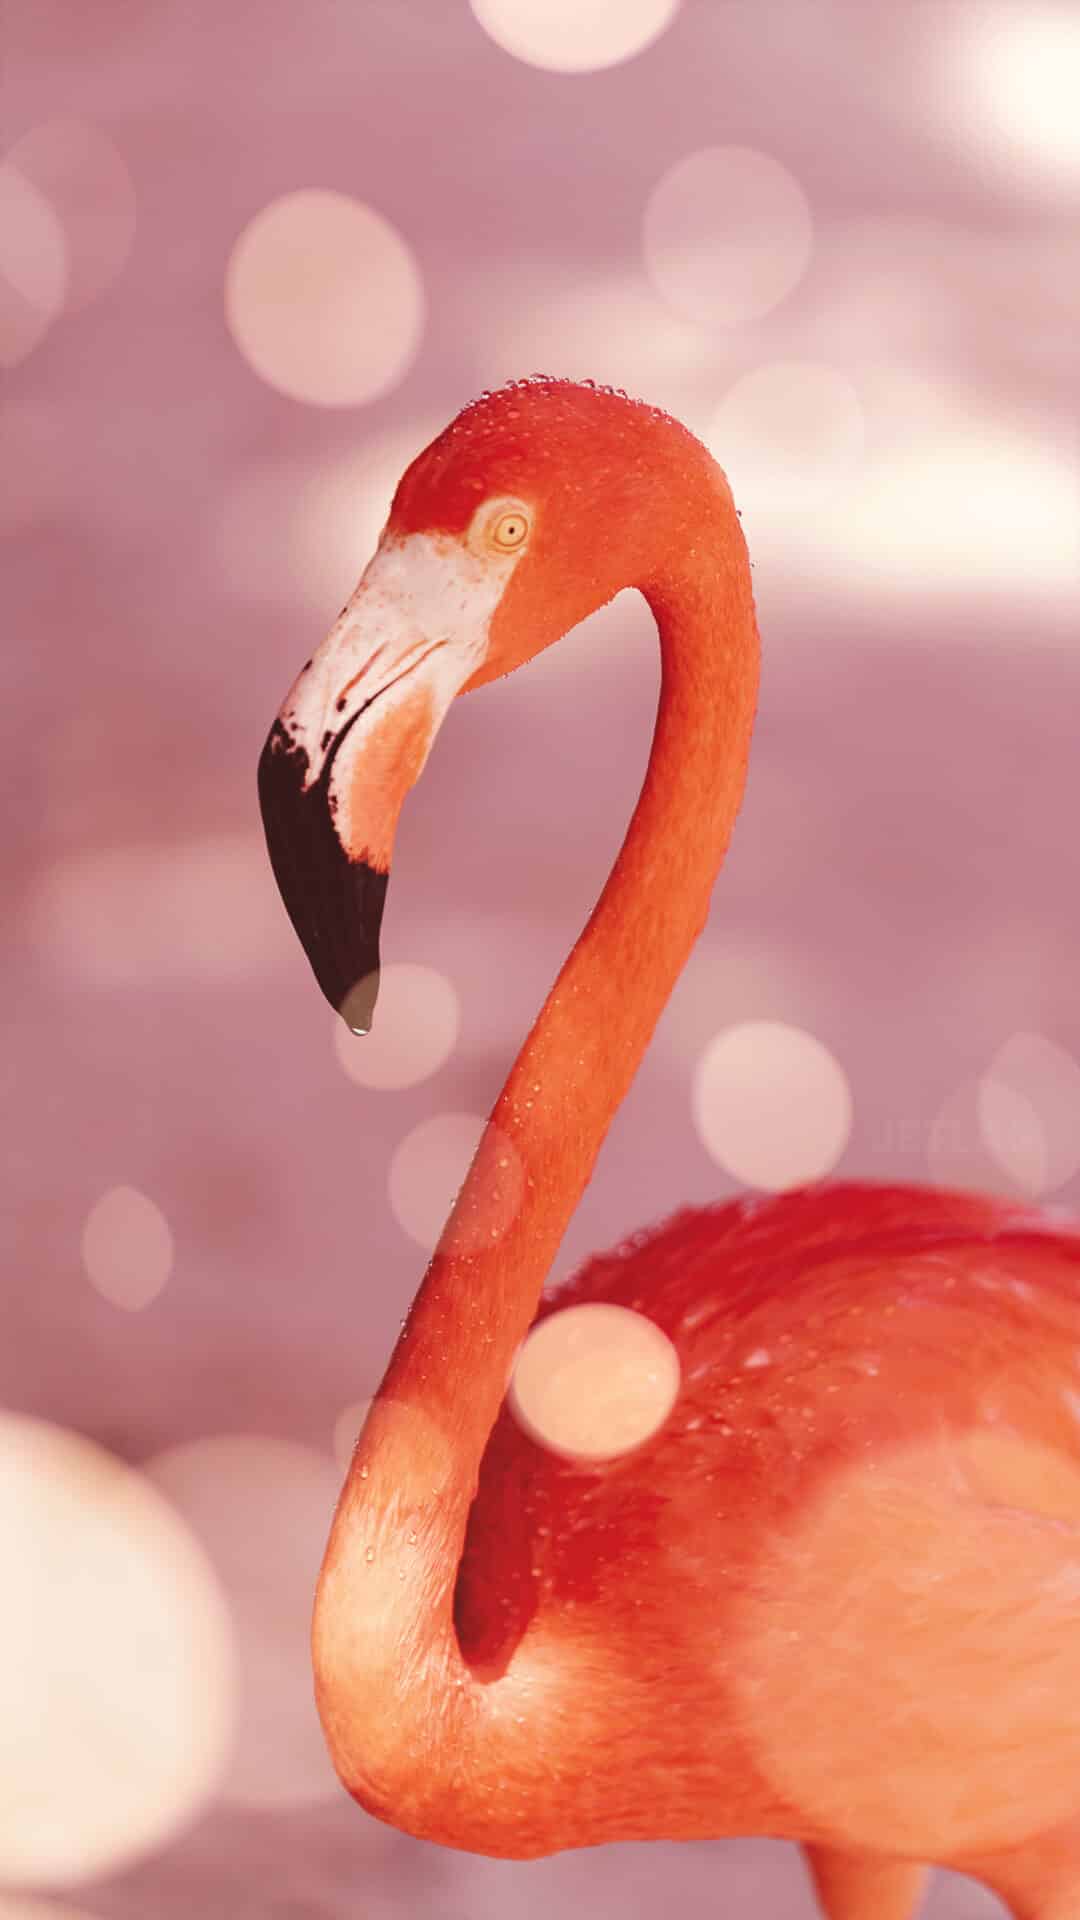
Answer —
903 881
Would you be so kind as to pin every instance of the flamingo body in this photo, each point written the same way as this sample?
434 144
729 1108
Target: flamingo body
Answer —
837 1595
879 1414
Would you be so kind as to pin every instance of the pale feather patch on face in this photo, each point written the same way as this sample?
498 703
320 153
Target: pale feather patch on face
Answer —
424 604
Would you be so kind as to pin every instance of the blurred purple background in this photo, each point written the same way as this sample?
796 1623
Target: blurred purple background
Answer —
178 534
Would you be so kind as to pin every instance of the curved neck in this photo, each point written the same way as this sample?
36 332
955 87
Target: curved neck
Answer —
387 1587
575 1068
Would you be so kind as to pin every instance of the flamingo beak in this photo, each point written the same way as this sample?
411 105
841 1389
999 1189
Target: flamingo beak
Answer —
352 737
335 903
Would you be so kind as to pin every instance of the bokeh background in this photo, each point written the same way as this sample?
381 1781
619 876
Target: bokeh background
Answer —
251 258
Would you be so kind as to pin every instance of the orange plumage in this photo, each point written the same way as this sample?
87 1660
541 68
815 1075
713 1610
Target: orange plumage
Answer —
837 1596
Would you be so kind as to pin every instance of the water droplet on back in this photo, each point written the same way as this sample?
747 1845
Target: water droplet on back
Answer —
701 1311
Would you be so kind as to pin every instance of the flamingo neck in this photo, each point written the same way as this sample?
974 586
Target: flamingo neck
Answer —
388 1665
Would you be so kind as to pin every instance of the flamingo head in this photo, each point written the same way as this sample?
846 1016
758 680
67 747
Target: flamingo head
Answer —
535 506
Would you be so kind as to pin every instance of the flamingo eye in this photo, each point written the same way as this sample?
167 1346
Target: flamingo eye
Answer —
510 530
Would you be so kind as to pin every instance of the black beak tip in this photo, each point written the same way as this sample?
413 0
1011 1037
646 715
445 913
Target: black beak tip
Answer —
357 1009
334 903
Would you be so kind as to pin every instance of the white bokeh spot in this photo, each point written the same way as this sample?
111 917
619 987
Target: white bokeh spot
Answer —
1028 1105
574 36
84 178
772 1105
118 1673
324 299
127 1248
428 1169
33 266
594 1381
727 234
1013 1133
1012 83
414 1032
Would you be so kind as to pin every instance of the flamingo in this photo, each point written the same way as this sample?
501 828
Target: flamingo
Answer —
836 1596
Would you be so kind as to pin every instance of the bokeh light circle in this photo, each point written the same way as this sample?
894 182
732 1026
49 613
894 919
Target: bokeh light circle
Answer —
771 1104
726 234
85 180
1028 1107
324 298
1012 72
33 266
262 1508
789 436
594 1381
1013 1133
118 1675
127 1248
347 1431
415 1031
574 36
428 1169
